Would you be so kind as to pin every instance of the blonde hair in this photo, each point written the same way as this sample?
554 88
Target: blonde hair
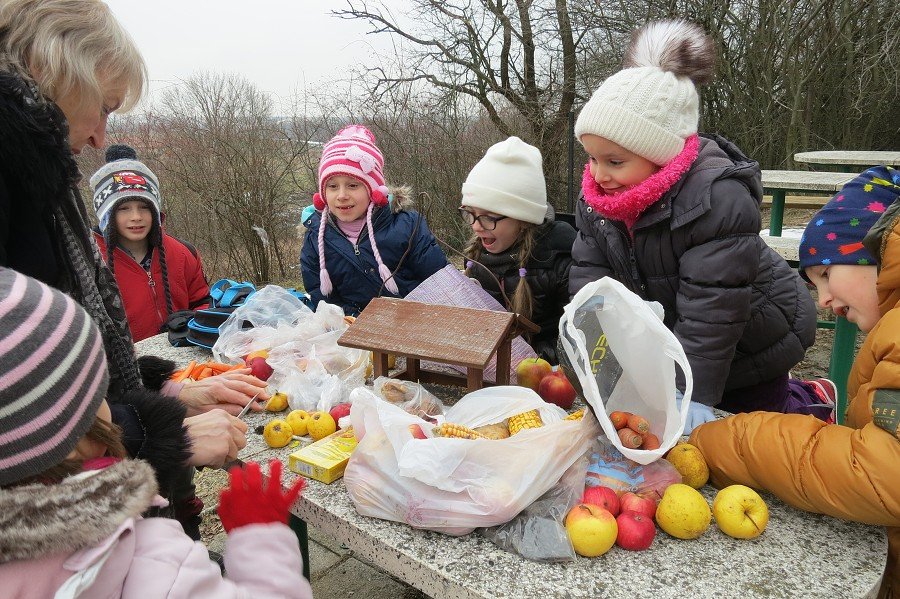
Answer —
71 47
522 300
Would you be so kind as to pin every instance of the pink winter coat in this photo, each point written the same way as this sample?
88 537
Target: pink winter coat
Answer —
94 544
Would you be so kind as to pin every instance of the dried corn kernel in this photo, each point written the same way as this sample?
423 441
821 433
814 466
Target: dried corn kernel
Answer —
458 431
530 419
576 415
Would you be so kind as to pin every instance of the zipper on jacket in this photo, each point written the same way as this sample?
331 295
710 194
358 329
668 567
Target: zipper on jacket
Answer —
152 284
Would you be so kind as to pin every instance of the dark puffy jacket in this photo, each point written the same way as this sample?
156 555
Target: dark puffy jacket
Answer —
547 273
399 233
741 313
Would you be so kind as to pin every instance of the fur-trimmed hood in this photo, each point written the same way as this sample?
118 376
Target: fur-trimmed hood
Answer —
79 512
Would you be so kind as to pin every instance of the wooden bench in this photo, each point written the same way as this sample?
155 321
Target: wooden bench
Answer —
778 183
843 349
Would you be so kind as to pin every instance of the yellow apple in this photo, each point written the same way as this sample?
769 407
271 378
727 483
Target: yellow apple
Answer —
690 463
277 433
320 425
298 421
277 403
740 512
592 529
683 512
530 371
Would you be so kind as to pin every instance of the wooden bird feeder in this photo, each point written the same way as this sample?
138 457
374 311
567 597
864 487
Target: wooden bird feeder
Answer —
464 337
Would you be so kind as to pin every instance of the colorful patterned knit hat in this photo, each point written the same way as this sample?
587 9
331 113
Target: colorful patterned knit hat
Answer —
835 234
353 152
52 376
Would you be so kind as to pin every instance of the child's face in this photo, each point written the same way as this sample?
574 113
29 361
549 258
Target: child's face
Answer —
502 237
347 197
88 449
849 291
134 218
614 168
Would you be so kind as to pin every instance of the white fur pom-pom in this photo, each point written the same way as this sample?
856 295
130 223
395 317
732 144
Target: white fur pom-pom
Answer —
676 46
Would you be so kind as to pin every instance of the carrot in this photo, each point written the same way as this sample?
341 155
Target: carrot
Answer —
651 441
206 372
181 375
619 419
638 424
629 438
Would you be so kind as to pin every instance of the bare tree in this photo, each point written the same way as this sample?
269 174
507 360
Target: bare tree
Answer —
515 58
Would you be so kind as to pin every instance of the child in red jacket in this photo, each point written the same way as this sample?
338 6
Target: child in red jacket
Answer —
157 273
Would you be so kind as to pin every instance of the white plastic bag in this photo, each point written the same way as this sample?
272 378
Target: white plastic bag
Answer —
456 485
625 359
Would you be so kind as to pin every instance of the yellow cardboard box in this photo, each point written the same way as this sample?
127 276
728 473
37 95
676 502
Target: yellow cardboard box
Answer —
326 459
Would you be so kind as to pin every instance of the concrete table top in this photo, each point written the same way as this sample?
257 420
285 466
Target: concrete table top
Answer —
850 157
799 555
787 245
804 180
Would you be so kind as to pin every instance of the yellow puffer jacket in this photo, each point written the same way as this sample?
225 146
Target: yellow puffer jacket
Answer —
850 472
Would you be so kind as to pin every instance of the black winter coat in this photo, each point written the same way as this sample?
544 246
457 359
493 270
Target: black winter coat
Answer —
547 273
36 172
741 313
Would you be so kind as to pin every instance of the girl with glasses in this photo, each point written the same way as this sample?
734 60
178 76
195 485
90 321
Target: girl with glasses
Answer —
518 251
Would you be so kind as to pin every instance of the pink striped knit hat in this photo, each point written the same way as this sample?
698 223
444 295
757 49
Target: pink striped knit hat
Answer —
52 376
352 152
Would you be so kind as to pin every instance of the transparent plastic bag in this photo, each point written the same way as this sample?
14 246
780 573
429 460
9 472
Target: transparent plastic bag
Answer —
456 485
609 468
625 359
411 397
539 532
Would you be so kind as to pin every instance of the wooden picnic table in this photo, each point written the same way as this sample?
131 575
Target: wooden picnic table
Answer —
800 554
778 183
850 160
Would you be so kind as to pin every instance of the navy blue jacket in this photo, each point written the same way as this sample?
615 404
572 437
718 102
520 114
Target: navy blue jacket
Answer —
353 270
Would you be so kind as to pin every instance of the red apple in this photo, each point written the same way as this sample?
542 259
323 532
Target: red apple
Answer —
591 529
260 368
339 411
416 431
530 371
635 503
636 531
602 496
556 388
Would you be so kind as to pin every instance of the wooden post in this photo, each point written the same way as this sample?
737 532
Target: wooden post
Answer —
380 364
503 359
475 379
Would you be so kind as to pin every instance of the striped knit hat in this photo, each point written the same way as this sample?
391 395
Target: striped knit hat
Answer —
123 177
52 376
353 153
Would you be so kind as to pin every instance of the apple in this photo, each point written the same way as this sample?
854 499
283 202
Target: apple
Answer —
298 420
740 512
259 368
339 411
530 371
591 529
556 388
635 503
602 496
416 431
636 531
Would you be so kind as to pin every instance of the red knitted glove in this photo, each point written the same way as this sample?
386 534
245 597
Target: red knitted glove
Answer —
245 501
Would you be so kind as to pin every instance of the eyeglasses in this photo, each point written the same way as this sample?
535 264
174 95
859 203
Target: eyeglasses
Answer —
488 223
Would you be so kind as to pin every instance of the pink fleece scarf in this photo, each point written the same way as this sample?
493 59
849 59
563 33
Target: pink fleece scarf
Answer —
628 205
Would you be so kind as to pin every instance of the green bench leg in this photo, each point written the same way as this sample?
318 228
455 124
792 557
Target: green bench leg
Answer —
299 528
776 215
842 353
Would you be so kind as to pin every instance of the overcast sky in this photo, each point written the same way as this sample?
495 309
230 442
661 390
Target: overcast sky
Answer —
281 46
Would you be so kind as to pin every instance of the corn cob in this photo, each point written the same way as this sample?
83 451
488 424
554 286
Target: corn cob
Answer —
578 415
530 419
457 431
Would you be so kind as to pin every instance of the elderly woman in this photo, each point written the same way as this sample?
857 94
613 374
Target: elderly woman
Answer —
65 66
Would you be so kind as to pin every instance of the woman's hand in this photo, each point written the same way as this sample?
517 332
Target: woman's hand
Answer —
216 437
229 391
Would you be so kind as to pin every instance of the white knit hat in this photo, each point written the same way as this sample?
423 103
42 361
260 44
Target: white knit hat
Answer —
652 107
509 181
